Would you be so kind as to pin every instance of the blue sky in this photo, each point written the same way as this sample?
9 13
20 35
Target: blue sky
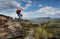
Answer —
31 8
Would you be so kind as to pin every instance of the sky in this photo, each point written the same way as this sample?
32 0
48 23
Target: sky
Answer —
31 8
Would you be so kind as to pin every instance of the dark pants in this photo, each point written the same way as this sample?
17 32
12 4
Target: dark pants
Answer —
20 16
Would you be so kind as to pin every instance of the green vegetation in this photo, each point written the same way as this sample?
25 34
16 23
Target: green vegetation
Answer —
43 29
47 29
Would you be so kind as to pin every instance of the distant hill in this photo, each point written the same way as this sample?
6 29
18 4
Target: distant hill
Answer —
41 19
44 19
56 18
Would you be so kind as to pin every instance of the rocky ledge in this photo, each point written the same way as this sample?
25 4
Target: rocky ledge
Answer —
12 28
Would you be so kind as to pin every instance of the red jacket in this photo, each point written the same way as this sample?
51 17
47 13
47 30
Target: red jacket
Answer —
18 11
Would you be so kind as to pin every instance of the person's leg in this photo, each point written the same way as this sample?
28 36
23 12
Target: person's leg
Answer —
19 16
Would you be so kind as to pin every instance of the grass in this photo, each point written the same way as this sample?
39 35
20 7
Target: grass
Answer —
43 30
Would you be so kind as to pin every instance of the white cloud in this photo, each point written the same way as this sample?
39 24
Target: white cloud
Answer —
8 4
26 14
22 0
12 4
48 10
40 5
26 6
13 15
42 12
29 4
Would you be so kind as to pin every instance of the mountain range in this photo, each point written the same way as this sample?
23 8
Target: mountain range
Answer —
44 19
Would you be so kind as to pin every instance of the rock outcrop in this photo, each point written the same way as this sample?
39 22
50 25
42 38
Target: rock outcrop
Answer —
12 28
3 17
9 29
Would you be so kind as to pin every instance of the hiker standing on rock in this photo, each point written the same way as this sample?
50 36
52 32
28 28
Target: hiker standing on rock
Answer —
19 13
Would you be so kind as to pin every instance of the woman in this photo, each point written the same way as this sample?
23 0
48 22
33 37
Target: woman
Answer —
19 13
